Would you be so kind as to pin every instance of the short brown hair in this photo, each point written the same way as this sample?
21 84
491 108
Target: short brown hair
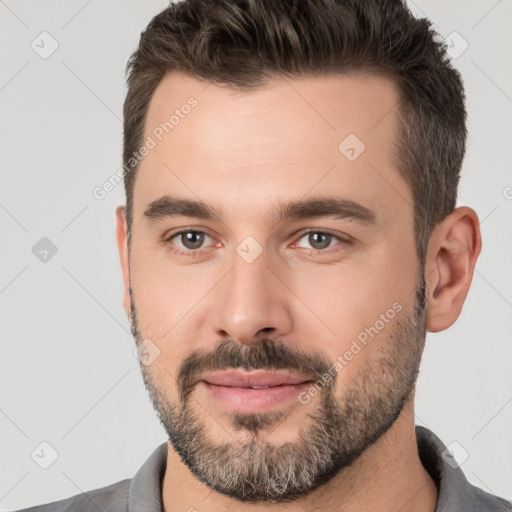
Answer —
244 44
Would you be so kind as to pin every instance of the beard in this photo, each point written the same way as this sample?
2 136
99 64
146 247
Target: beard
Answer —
337 430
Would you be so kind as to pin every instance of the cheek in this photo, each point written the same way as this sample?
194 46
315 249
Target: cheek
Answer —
163 293
351 308
173 305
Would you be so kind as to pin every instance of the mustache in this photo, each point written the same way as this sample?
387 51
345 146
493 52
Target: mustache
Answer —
268 354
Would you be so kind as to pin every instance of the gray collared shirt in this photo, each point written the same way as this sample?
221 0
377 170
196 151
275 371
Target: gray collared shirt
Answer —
142 493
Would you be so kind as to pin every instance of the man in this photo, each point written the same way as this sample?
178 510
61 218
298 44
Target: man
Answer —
289 236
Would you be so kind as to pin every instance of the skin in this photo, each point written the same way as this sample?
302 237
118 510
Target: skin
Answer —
243 153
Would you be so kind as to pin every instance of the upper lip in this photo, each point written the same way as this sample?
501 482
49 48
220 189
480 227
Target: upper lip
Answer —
247 380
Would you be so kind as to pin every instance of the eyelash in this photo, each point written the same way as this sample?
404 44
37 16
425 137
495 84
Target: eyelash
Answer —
195 252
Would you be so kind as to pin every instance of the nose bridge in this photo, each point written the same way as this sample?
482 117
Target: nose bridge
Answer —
251 298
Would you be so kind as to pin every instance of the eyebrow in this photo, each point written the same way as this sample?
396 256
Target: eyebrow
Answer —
169 206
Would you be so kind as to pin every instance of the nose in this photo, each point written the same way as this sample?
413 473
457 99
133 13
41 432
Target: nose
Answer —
252 302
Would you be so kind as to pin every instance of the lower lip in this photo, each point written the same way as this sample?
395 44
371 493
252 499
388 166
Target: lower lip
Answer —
248 400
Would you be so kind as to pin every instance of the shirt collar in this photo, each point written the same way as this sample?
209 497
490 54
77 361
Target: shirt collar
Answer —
146 486
455 493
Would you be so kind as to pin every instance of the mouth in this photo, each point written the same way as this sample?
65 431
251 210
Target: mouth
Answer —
244 392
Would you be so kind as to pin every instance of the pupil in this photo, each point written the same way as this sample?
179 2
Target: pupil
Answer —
192 240
313 238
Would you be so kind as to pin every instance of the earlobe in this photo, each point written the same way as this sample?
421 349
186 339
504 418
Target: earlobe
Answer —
122 245
451 258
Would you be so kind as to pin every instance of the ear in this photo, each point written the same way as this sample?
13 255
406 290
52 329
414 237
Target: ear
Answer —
122 245
453 249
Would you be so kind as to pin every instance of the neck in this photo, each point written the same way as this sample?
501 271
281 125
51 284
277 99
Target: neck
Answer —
387 477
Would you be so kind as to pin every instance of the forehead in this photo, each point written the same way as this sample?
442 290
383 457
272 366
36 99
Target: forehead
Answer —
280 140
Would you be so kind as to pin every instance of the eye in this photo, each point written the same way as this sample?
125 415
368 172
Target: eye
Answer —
321 240
187 241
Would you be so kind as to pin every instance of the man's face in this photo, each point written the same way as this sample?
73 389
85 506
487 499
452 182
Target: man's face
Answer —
335 300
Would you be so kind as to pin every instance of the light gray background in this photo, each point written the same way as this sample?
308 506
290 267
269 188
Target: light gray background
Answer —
68 373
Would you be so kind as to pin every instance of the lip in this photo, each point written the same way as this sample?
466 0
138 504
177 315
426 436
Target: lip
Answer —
248 380
235 391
